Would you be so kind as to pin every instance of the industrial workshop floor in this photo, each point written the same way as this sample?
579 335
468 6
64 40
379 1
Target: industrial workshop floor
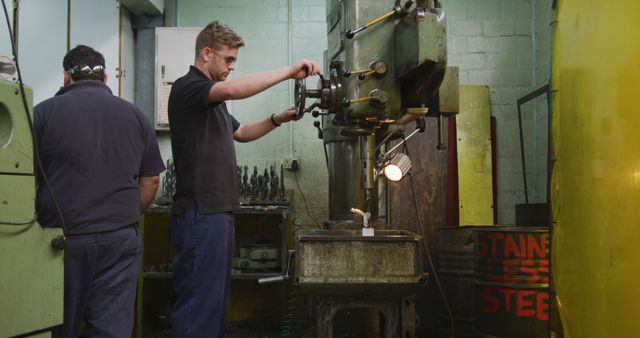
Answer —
234 331
237 332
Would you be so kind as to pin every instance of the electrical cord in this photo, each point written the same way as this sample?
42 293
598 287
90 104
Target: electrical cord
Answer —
56 242
296 214
428 253
305 202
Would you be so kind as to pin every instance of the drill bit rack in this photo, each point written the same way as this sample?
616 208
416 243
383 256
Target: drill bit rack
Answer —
264 187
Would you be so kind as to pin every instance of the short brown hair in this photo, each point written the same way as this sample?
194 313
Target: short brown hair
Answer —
215 35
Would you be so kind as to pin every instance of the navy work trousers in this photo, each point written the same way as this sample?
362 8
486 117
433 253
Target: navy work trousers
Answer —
201 273
100 278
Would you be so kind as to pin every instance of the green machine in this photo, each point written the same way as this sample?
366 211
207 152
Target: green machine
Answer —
31 282
387 66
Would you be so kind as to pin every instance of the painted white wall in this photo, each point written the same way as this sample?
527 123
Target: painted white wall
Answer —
127 60
42 44
492 43
95 23
174 54
5 43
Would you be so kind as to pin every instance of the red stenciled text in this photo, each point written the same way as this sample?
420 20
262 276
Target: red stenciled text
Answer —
522 303
514 259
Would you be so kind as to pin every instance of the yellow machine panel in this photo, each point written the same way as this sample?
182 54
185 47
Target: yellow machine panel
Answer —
473 128
596 179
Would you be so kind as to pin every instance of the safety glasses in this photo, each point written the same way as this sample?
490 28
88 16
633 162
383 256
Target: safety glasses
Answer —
86 70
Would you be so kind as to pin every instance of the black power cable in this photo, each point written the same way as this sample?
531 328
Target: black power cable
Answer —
296 215
305 202
57 242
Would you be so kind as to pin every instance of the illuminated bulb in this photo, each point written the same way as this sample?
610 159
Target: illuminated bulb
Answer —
397 167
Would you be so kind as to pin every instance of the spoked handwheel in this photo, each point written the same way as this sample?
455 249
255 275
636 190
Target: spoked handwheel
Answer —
300 96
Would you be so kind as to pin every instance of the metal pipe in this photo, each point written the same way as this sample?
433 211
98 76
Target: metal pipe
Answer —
368 167
365 216
68 25
522 155
542 90
549 148
290 60
400 143
384 141
367 160
16 19
344 178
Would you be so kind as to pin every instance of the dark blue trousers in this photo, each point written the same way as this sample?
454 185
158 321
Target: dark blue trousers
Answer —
100 279
201 273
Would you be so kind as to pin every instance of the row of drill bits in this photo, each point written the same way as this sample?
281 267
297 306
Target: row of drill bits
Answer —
264 187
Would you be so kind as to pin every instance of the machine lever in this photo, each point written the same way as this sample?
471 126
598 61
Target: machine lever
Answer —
267 280
311 107
362 73
377 68
317 125
316 113
351 33
346 102
274 279
397 9
379 97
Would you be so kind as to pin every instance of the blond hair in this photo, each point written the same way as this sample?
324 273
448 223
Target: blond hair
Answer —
215 35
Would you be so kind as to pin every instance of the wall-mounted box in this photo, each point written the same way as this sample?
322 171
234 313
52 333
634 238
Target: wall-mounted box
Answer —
175 52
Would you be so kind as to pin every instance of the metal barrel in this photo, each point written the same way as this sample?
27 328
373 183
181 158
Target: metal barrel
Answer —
456 271
512 296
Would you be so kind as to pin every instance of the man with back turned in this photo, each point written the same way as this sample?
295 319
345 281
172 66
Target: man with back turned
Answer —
102 161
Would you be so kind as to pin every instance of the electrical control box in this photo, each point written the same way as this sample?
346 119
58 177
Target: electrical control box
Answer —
175 52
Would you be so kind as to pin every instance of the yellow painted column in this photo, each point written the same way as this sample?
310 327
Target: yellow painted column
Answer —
596 176
473 127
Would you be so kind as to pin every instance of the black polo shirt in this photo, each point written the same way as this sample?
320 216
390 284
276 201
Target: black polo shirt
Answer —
93 147
203 147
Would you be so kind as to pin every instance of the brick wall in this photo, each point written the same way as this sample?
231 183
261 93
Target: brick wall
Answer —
492 43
